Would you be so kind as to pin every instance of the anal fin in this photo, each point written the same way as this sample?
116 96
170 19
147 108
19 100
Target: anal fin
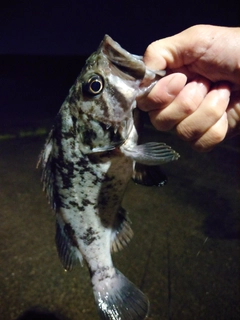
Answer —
67 251
122 231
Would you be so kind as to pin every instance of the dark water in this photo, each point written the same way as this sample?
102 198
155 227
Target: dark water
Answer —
185 251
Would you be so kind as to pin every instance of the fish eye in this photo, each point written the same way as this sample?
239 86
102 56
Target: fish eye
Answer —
94 85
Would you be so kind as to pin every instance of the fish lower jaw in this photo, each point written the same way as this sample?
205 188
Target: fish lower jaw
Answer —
120 130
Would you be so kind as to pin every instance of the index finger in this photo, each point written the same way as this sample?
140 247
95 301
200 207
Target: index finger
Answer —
164 92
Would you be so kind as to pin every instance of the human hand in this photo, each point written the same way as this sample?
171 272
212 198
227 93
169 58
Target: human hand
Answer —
200 96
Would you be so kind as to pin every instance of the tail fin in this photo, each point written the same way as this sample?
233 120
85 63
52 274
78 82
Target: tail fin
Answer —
119 299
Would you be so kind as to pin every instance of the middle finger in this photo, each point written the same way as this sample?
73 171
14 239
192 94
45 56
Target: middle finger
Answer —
185 103
209 112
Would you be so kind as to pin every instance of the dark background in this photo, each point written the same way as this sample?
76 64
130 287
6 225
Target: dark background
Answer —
185 251
45 43
76 27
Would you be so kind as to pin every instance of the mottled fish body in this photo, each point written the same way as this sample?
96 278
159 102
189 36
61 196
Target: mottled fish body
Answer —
87 162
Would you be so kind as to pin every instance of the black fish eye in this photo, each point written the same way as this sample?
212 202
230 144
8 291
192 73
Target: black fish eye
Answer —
94 85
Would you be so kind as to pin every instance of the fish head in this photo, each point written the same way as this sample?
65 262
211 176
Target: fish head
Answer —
109 85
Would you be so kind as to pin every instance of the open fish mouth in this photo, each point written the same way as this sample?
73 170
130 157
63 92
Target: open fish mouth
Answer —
123 130
117 135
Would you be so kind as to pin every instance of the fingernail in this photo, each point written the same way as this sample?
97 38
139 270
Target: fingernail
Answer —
176 83
224 93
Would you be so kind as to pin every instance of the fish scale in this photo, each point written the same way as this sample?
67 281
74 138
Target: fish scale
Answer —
87 161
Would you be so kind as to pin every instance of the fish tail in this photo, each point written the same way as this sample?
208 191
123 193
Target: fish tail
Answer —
119 299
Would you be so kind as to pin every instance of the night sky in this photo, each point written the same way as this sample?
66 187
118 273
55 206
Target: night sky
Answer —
44 43
77 27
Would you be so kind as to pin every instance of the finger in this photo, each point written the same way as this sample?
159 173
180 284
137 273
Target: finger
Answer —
154 56
213 136
209 112
178 50
164 53
233 114
200 50
185 103
164 92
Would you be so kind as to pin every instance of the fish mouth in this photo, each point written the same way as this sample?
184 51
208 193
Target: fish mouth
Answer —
117 135
129 66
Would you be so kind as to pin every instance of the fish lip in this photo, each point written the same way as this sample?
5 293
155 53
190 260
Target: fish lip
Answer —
130 66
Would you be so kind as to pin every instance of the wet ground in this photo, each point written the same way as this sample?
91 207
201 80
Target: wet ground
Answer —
185 251
184 255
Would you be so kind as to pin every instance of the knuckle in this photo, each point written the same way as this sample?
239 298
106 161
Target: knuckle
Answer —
188 102
150 52
188 106
217 135
210 139
185 133
160 121
151 48
213 112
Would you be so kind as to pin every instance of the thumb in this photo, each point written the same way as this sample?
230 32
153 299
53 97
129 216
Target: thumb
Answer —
209 51
164 53
181 49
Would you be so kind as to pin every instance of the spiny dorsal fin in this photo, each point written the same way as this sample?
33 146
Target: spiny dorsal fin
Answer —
46 162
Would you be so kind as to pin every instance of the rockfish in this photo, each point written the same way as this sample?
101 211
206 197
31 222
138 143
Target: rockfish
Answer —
88 159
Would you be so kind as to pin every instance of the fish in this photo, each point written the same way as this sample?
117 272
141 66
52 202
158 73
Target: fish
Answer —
87 161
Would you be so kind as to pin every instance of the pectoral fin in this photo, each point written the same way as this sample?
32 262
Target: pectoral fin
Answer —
151 153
